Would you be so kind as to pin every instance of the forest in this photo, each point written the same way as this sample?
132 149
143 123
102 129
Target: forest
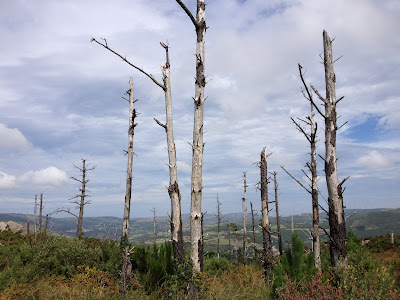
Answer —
260 255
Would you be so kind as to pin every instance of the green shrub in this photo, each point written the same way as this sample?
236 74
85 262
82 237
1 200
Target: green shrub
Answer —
215 265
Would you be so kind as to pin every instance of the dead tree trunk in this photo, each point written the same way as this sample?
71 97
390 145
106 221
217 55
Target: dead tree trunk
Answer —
219 218
244 208
82 202
46 224
196 241
266 228
337 221
312 166
126 271
254 231
35 209
154 225
278 223
173 189
229 243
40 212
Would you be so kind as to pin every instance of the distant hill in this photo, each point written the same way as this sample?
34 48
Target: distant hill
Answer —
365 223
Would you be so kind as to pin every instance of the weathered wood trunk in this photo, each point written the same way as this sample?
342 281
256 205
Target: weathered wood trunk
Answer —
266 228
278 223
79 229
337 223
218 226
40 212
126 271
173 188
244 208
314 194
46 224
196 239
34 210
254 231
236 250
128 190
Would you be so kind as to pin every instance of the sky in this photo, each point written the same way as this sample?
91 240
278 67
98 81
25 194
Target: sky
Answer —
60 101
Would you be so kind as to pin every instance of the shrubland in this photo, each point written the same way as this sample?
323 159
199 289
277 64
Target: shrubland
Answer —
57 267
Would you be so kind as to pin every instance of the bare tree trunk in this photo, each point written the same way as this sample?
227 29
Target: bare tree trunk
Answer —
278 223
154 225
46 224
35 209
126 271
292 224
196 241
266 228
254 231
244 219
128 191
218 215
236 249
229 244
40 212
82 196
27 227
173 189
337 221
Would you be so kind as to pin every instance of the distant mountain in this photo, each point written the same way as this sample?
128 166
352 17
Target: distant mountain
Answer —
364 222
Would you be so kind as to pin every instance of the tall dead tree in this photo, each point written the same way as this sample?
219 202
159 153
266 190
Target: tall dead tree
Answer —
266 227
40 212
244 209
312 166
126 271
219 218
278 223
196 239
254 231
154 225
337 221
34 211
173 188
82 196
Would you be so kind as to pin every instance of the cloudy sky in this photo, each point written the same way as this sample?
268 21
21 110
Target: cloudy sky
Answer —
60 100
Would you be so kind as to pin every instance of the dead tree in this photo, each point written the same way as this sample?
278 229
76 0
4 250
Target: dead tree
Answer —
173 189
219 218
229 241
126 271
266 227
254 231
312 166
337 221
154 223
34 210
196 241
82 201
244 208
40 212
278 223
46 224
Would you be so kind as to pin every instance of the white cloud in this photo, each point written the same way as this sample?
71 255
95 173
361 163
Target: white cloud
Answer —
6 181
50 176
373 160
12 138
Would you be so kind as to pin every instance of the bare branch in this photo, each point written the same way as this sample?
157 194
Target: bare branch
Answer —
338 57
161 124
350 215
129 63
342 125
306 175
187 11
323 209
327 234
296 180
301 130
67 211
340 99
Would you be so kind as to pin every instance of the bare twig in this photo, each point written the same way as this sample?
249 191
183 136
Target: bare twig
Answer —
296 180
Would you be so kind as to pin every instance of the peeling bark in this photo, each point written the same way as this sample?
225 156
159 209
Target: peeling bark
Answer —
266 228
337 222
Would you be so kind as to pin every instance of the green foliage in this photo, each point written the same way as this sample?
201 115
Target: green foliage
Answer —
155 267
216 265
295 265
